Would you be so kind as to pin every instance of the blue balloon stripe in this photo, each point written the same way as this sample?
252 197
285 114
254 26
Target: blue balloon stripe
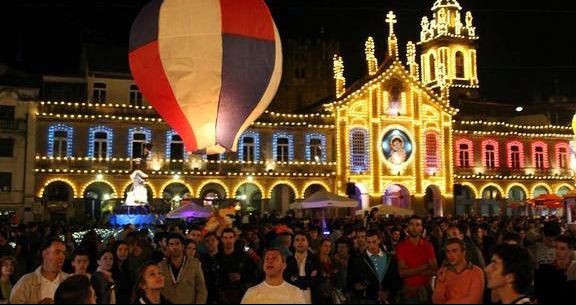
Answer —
145 27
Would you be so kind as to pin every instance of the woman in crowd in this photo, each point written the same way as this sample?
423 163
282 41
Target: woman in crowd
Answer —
7 265
103 280
149 285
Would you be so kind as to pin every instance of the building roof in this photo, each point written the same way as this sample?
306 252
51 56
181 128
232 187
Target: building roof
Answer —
16 78
106 59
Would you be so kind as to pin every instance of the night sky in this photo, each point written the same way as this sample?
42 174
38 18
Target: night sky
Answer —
527 51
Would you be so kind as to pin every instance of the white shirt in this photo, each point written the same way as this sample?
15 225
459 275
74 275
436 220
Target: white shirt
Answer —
48 288
302 273
268 294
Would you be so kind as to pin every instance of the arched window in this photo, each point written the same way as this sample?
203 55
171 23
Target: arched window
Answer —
174 146
432 152
540 155
137 138
316 147
465 153
359 160
100 142
283 144
432 67
490 154
249 147
460 72
60 139
563 155
515 155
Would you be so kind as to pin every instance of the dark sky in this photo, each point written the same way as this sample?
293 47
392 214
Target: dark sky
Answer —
527 51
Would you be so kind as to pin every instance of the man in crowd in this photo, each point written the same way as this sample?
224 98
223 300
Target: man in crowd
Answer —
510 274
236 268
374 274
303 269
80 262
274 290
473 254
184 280
458 281
40 286
545 251
417 264
551 282
211 267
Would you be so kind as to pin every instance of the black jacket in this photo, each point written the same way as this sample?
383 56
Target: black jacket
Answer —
363 272
313 265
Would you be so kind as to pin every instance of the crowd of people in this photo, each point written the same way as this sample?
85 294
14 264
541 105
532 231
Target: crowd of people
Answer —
368 259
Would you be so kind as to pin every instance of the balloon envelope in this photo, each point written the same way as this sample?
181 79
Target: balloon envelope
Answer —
209 67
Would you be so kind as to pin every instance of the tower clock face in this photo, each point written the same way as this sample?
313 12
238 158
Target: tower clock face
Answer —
397 147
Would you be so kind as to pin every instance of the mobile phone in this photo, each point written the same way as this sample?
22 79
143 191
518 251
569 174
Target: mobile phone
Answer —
246 248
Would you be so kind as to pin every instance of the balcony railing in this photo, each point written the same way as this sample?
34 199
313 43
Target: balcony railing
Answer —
222 168
507 172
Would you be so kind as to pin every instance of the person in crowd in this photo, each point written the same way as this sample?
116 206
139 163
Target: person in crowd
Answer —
5 248
285 243
39 286
510 274
81 262
374 274
483 240
303 269
7 268
360 242
75 290
274 289
315 239
211 267
512 238
393 241
417 264
545 252
184 281
191 248
121 273
103 280
149 285
341 264
238 272
328 271
195 234
554 282
458 281
473 253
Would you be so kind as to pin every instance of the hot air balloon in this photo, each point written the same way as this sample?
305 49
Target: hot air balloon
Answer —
210 68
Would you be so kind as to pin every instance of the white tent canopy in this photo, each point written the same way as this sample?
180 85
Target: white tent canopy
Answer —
324 199
190 210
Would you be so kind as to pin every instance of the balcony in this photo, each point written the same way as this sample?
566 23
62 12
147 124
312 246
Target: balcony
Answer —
524 173
170 167
106 110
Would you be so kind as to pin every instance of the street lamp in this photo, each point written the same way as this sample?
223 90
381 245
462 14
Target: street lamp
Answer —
519 109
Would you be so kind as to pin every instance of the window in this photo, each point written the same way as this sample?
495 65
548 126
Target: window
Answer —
515 157
138 137
100 142
460 65
490 154
176 148
540 155
99 93
432 152
282 147
100 145
432 67
562 155
464 153
248 144
359 150
249 147
6 148
5 182
6 113
135 96
283 144
60 140
316 147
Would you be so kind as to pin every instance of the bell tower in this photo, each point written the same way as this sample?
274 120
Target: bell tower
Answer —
448 45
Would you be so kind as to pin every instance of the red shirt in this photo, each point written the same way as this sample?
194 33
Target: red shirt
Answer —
415 256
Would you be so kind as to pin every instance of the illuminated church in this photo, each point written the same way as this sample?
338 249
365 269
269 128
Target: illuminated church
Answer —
393 138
